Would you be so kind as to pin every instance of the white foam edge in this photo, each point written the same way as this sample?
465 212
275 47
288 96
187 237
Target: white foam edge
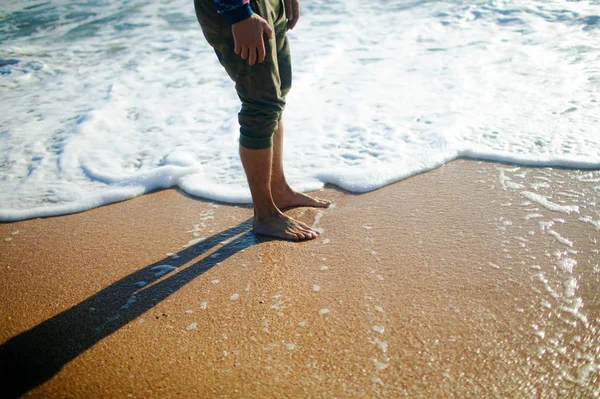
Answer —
129 187
106 198
187 178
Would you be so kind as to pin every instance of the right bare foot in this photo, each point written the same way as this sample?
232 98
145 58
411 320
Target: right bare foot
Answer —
289 198
283 226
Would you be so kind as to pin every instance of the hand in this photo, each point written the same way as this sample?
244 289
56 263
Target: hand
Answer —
248 38
292 12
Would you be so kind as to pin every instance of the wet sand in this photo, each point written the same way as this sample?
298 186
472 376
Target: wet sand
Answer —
473 280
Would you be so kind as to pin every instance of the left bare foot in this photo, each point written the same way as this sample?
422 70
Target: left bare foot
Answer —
293 199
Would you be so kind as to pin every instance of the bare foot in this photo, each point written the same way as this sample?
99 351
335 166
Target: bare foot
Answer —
283 226
293 199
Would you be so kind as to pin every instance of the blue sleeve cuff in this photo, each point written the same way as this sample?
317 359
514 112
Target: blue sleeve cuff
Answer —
238 14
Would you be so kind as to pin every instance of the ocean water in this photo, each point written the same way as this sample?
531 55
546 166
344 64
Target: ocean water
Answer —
106 100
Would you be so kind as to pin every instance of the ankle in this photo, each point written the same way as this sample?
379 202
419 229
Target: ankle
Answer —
282 191
262 214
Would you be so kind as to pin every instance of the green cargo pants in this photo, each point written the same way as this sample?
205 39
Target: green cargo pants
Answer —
261 88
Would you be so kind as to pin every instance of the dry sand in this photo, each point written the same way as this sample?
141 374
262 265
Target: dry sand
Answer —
453 283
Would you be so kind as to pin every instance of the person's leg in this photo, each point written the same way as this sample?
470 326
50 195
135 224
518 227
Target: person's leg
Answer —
268 219
283 195
259 90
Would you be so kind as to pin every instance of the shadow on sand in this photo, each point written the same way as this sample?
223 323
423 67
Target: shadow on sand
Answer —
33 357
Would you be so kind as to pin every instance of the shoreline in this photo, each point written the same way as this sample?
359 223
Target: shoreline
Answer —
449 281
127 194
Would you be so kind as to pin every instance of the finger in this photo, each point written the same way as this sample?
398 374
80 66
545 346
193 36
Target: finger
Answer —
289 12
296 7
236 47
295 15
244 53
252 56
267 30
291 23
261 52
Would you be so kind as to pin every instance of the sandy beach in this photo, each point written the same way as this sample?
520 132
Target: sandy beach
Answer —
473 280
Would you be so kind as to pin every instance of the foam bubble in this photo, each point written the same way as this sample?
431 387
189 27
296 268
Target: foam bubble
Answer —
543 201
560 238
590 220
378 329
192 326
567 264
379 365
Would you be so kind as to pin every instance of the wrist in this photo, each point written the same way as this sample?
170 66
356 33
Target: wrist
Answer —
238 14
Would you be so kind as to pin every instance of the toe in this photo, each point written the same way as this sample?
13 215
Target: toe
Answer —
303 226
301 235
293 236
311 232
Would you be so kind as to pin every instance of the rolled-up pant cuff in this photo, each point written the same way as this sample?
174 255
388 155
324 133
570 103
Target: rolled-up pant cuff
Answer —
255 142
